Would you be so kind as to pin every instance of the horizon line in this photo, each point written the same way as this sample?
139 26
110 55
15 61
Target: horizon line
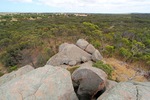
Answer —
78 12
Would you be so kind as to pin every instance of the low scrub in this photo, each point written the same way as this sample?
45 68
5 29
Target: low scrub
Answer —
105 67
12 68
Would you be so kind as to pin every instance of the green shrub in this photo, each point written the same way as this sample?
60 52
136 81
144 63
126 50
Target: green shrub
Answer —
12 68
96 44
125 53
105 67
109 50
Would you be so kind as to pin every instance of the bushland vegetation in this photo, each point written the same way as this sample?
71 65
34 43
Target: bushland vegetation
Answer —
33 38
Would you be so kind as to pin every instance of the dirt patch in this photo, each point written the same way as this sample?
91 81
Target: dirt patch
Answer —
124 72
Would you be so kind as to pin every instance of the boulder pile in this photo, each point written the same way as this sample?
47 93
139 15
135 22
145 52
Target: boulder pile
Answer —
71 54
54 82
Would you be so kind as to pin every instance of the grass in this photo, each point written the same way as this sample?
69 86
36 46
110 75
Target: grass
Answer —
72 69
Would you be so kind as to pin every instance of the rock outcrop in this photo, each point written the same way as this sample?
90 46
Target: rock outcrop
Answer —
8 77
70 54
54 82
128 91
45 83
88 81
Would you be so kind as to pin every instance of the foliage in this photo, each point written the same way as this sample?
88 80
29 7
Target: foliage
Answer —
123 35
12 68
109 50
125 53
11 56
105 67
96 43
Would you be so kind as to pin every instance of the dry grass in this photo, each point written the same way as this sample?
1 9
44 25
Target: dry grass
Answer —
123 71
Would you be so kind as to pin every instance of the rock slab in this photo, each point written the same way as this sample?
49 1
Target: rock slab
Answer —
45 83
8 77
128 91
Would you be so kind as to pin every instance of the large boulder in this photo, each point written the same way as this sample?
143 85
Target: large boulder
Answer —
45 83
82 43
128 91
88 81
8 77
69 54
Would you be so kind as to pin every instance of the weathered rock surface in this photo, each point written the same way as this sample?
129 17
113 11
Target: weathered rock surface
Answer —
69 53
109 85
90 49
128 91
96 56
45 83
83 59
88 81
72 63
86 64
82 43
8 77
62 46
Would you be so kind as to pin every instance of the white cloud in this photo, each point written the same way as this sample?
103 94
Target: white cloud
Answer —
94 5
28 1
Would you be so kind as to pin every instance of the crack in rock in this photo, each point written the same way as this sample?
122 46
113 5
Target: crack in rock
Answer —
137 94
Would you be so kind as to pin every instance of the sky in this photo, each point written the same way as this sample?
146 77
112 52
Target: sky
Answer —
76 6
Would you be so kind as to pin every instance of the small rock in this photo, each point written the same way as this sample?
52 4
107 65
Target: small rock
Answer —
72 63
90 49
96 56
82 43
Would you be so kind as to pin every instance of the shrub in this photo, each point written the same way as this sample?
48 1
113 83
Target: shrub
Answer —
96 44
109 50
105 67
125 53
10 69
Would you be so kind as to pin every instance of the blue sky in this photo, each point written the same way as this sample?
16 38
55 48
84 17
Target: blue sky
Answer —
79 6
